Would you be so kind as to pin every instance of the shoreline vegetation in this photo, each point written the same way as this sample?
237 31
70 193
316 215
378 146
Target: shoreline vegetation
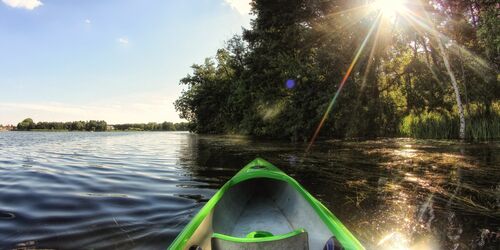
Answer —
96 126
284 76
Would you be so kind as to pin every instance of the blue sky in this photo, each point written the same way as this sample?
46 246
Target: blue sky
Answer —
117 60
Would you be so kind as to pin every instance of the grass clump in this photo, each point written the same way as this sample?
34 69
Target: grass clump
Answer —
443 125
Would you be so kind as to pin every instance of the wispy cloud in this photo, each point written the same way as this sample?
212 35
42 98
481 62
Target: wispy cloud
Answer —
242 6
24 4
141 107
87 21
122 40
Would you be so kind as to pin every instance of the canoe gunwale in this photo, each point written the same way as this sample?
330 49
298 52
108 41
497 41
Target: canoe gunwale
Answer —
260 168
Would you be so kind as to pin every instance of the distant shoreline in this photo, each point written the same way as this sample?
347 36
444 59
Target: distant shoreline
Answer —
84 131
94 126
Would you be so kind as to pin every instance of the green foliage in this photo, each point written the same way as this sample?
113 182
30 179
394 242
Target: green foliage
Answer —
489 33
399 85
28 124
92 125
430 125
152 126
96 125
433 125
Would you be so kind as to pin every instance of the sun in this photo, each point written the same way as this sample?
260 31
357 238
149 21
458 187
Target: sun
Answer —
389 8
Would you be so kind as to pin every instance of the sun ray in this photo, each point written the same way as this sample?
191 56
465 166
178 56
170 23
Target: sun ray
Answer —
355 19
348 11
453 46
418 19
344 80
368 67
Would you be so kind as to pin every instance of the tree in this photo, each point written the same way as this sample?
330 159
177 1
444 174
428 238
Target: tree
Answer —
26 124
167 126
78 125
278 78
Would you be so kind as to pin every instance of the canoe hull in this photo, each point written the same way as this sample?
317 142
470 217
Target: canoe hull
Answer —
262 198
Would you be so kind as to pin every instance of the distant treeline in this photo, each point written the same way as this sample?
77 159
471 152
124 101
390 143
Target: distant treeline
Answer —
28 125
153 126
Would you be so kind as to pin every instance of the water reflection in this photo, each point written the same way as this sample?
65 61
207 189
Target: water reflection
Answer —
394 194
138 190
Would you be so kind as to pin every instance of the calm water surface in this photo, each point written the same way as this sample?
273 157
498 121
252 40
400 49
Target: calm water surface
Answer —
138 190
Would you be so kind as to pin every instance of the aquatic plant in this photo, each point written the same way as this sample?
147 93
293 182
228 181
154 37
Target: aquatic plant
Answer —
444 125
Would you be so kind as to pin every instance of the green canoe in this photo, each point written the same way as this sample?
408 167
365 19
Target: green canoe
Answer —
263 208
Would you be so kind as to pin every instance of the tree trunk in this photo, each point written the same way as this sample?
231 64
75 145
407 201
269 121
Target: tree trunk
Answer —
467 104
460 109
457 92
453 81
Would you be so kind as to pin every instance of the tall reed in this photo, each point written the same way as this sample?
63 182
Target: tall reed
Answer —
434 125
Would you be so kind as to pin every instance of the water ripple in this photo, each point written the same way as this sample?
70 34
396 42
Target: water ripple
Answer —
138 190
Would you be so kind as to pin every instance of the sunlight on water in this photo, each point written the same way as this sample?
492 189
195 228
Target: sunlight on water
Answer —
394 241
408 153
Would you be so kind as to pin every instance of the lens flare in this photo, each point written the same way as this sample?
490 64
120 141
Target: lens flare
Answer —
344 80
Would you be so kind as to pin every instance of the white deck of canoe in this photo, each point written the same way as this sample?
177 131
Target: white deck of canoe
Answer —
261 214
261 205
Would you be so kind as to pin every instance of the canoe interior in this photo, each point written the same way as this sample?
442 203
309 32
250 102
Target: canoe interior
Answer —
261 204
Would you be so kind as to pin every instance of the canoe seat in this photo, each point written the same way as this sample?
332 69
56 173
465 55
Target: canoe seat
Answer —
295 240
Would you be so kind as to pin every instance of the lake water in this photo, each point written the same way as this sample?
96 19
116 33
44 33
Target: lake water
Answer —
138 190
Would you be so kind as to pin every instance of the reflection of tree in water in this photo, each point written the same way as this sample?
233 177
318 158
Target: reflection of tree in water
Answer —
211 160
425 193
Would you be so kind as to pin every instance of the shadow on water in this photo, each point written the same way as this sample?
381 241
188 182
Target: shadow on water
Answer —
138 190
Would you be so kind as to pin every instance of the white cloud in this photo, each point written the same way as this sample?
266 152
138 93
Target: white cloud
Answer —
122 40
25 4
87 21
242 6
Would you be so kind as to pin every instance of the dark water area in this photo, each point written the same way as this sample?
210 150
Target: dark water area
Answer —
138 190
